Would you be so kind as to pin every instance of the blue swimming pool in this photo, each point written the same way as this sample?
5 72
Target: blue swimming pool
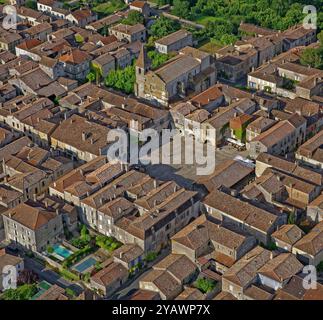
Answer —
62 251
84 265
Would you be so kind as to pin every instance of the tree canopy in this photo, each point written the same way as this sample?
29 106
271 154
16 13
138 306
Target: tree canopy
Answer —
222 18
313 57
164 26
157 59
24 292
122 79
133 18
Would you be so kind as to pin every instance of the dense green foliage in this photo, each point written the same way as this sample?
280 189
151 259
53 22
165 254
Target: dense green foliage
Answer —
78 38
319 267
270 246
107 243
31 4
313 57
90 76
122 79
205 285
181 8
84 238
24 292
164 26
291 218
133 18
50 249
70 292
65 273
151 256
157 59
221 18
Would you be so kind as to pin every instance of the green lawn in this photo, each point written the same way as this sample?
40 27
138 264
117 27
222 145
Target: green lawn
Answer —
68 275
205 19
211 46
109 7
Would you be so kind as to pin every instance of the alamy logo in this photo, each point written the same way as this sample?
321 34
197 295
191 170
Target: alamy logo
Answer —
166 147
310 21
10 19
9 277
310 280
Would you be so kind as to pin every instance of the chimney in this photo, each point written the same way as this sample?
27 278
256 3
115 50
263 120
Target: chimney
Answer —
271 255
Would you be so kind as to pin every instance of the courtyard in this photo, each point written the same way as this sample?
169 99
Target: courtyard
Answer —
186 174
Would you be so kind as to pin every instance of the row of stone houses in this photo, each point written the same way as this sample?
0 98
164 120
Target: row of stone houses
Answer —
235 62
117 206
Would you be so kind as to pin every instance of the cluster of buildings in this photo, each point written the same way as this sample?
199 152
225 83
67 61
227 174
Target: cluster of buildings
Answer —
246 230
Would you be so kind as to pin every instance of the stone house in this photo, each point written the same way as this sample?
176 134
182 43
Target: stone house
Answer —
84 140
174 41
308 249
281 138
82 17
128 33
169 276
9 40
286 236
276 273
130 256
242 216
76 64
141 6
204 239
32 227
109 279
310 153
314 210
248 267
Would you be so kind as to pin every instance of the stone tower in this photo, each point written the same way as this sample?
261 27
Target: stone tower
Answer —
142 67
